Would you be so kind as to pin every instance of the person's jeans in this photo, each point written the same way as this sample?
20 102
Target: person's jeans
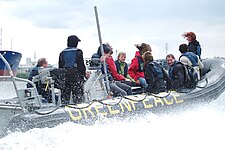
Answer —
143 82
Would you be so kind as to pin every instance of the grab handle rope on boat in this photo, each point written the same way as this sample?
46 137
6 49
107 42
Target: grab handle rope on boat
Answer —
206 80
95 100
140 100
39 113
101 102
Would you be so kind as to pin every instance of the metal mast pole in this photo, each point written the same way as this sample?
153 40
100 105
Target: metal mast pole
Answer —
101 47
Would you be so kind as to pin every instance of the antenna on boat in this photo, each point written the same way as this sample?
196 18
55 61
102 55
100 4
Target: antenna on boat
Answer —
101 47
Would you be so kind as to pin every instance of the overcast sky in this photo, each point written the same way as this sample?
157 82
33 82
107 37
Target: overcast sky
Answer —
42 26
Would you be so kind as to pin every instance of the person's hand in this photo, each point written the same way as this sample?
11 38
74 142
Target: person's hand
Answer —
102 58
127 79
137 81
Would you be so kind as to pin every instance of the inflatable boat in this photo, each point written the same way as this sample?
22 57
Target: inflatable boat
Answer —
27 111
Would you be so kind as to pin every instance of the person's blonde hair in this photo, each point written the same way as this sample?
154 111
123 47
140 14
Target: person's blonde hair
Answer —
120 53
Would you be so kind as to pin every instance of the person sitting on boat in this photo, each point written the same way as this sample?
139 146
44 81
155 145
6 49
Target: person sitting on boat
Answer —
176 73
193 44
71 59
41 88
136 68
156 77
190 59
114 78
122 69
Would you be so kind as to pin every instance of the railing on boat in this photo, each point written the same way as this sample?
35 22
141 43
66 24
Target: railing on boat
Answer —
25 96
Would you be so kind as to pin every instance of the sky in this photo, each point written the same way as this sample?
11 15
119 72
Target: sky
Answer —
41 27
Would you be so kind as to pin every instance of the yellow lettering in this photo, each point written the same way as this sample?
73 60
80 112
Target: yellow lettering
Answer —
121 106
88 110
111 111
98 112
158 100
147 105
74 118
132 103
168 102
127 105
177 100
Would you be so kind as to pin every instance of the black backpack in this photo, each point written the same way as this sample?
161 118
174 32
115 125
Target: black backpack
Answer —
191 77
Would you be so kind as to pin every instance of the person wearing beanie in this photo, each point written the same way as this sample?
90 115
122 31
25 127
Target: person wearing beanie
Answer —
71 59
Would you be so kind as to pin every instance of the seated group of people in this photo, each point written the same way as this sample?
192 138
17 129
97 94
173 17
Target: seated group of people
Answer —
143 70
149 74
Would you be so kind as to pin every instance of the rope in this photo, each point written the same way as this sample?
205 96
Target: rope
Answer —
39 113
202 87
139 100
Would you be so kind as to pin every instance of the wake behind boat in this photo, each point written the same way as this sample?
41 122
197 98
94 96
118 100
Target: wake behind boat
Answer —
27 111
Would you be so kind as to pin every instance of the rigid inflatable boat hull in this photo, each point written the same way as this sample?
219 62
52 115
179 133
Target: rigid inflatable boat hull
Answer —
214 82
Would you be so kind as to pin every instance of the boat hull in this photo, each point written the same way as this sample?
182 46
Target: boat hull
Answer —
13 58
209 88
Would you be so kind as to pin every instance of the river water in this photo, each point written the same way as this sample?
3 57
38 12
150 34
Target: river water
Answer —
197 128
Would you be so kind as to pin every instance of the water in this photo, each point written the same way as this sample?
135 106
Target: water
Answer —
202 127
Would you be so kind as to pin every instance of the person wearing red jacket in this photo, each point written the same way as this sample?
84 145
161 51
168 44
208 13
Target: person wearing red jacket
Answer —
136 69
112 68
117 87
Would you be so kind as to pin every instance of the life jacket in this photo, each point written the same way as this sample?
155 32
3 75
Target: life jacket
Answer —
70 58
195 47
192 57
119 69
141 64
173 68
159 83
157 70
199 50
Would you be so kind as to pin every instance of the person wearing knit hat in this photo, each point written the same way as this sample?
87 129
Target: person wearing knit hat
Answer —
71 59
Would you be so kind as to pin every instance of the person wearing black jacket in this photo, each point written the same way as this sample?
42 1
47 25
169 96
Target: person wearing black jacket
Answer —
41 64
193 44
155 75
71 59
176 73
